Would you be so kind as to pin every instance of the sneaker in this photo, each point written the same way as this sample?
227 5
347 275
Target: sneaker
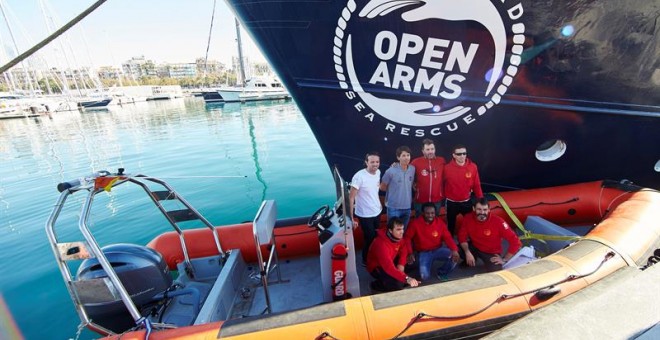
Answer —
443 277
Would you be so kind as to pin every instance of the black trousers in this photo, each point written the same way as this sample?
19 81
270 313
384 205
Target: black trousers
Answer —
369 226
485 257
385 282
455 208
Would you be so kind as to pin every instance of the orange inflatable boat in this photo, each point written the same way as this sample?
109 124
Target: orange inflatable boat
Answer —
274 278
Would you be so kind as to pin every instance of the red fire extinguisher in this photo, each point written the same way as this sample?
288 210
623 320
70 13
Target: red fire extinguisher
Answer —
339 256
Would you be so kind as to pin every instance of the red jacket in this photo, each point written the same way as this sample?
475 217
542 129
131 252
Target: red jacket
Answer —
460 181
383 252
428 179
487 235
427 236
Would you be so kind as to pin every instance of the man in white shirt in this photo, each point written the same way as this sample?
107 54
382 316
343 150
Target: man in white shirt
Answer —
365 203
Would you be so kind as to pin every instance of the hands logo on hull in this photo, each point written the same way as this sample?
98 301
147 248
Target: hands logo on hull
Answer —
420 73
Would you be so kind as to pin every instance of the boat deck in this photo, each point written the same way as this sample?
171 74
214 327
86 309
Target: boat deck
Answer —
300 286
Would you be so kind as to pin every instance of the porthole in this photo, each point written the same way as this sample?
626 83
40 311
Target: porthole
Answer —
550 150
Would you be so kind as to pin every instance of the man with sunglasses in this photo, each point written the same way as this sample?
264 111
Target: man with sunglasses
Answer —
461 182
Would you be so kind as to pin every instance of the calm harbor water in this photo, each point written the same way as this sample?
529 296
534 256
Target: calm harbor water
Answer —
223 159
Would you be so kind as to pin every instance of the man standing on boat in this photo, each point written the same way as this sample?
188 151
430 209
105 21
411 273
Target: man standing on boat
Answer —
364 200
481 235
461 181
428 177
425 235
387 258
397 182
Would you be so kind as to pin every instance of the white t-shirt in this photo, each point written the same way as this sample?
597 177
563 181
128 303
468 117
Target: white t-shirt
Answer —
367 203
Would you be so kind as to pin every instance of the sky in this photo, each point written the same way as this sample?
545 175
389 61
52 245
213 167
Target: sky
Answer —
162 30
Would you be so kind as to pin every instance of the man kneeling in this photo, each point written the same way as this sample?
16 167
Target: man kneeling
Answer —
481 236
387 257
426 234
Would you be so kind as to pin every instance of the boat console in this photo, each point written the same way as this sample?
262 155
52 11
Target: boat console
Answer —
339 275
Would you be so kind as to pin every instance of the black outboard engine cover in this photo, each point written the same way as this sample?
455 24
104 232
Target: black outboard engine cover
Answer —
142 271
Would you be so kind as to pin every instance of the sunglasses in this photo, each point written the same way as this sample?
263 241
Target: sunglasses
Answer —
460 153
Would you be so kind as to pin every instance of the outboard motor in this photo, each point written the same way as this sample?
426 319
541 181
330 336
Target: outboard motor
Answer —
142 271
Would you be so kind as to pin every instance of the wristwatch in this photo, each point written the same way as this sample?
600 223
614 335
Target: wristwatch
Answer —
407 279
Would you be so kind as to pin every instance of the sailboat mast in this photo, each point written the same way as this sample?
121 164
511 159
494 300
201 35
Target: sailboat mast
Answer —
240 51
9 78
28 79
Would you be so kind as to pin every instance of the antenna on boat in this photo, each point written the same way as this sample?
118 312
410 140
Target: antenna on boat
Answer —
208 43
241 66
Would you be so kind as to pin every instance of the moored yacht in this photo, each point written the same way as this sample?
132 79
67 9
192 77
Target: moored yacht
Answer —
256 89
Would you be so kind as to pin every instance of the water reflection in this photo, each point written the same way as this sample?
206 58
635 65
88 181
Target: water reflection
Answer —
224 159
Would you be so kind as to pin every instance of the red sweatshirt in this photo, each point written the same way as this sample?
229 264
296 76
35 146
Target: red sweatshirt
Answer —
487 235
460 181
382 253
428 179
428 236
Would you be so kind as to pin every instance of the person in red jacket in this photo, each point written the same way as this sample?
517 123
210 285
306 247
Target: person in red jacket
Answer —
481 235
387 258
425 235
461 181
428 178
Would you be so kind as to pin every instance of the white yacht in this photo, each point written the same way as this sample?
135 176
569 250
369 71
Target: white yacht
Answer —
258 88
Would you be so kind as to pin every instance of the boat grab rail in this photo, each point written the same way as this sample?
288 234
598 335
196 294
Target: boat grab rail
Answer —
95 183
93 247
169 218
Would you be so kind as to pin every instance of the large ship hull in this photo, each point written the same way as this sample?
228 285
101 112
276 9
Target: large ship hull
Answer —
374 75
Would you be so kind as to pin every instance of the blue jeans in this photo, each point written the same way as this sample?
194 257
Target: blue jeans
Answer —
426 259
403 214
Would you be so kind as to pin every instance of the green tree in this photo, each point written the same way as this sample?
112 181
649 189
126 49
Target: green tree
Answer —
54 86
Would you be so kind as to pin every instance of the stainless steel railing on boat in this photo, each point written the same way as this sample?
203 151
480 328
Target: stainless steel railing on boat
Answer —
94 184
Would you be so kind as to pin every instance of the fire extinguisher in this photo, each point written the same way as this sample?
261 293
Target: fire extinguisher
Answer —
339 256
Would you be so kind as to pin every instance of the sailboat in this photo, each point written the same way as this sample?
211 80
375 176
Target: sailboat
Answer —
253 89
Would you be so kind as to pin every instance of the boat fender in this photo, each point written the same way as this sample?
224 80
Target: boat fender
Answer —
339 256
547 293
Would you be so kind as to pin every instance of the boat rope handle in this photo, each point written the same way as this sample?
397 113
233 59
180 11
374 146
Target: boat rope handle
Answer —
325 335
503 297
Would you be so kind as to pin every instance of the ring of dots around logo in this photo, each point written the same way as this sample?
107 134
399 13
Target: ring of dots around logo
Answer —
339 38
518 30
